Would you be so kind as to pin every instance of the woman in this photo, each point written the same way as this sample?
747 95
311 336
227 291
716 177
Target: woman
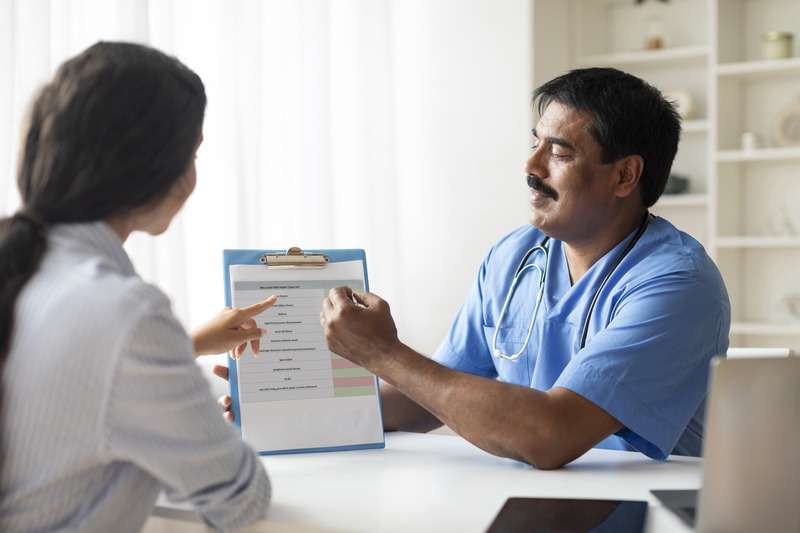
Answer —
102 403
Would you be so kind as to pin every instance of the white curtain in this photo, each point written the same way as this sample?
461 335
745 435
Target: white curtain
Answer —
397 126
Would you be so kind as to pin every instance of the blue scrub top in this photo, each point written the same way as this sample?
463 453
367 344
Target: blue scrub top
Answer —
661 317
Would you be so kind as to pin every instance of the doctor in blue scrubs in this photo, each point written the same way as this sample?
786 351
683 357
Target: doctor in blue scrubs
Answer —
592 326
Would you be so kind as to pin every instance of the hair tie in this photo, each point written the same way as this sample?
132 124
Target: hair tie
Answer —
29 214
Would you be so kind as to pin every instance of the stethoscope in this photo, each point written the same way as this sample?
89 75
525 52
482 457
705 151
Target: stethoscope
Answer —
523 266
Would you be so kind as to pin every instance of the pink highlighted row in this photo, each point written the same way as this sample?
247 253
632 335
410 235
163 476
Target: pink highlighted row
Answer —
342 363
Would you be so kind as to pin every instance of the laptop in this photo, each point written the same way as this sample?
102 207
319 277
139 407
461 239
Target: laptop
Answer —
751 471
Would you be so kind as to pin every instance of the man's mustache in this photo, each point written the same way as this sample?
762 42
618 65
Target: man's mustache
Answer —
535 183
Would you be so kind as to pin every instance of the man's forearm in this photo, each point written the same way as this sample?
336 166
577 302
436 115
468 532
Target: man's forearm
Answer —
400 413
545 429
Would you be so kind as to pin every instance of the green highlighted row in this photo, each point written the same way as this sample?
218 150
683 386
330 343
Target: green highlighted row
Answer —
357 372
367 390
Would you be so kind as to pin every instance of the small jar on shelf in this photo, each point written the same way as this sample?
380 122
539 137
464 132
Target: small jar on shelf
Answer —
777 45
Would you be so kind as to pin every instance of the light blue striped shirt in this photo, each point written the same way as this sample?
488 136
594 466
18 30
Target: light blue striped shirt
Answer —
104 405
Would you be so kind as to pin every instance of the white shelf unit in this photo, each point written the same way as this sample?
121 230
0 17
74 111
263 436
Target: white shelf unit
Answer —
753 214
610 33
743 205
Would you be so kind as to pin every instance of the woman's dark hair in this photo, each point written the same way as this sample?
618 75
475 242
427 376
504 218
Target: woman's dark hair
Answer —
114 130
630 117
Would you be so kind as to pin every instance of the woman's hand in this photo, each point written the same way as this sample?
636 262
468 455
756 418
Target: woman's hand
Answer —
224 401
231 330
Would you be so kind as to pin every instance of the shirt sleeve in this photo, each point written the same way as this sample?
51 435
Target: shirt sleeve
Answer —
648 367
465 349
161 417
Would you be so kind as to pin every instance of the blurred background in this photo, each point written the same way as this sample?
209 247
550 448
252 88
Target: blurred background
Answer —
397 126
402 127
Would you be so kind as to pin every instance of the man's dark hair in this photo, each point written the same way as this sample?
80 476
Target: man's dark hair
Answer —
630 117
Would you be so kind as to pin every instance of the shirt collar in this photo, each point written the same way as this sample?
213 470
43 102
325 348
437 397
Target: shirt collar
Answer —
95 238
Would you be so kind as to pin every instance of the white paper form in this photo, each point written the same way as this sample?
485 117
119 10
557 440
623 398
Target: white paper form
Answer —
297 395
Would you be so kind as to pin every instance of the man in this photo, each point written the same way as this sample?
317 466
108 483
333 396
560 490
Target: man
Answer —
606 338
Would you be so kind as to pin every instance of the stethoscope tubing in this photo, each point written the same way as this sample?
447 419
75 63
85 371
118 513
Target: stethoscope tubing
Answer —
542 276
520 269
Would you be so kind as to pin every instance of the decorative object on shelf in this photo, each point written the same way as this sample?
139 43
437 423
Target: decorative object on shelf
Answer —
653 26
653 32
676 184
779 223
790 305
787 125
777 45
682 99
750 141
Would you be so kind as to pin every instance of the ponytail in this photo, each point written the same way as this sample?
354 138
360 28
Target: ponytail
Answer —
22 244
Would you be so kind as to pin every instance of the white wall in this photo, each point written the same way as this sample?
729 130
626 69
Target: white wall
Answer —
463 85
453 102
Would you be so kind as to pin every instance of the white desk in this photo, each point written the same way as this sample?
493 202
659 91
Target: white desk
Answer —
440 483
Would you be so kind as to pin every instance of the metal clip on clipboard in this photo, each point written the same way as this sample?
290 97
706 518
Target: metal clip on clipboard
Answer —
294 257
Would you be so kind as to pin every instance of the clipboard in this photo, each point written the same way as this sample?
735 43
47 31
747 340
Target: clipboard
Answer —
297 396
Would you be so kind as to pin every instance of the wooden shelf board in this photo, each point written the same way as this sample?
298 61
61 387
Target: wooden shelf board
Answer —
639 57
682 200
764 328
760 154
757 69
758 242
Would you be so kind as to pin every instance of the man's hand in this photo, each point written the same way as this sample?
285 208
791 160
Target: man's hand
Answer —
358 327
231 330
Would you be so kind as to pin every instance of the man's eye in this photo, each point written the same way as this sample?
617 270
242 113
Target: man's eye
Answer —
553 153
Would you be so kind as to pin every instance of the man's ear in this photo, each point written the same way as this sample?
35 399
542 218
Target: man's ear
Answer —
629 171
